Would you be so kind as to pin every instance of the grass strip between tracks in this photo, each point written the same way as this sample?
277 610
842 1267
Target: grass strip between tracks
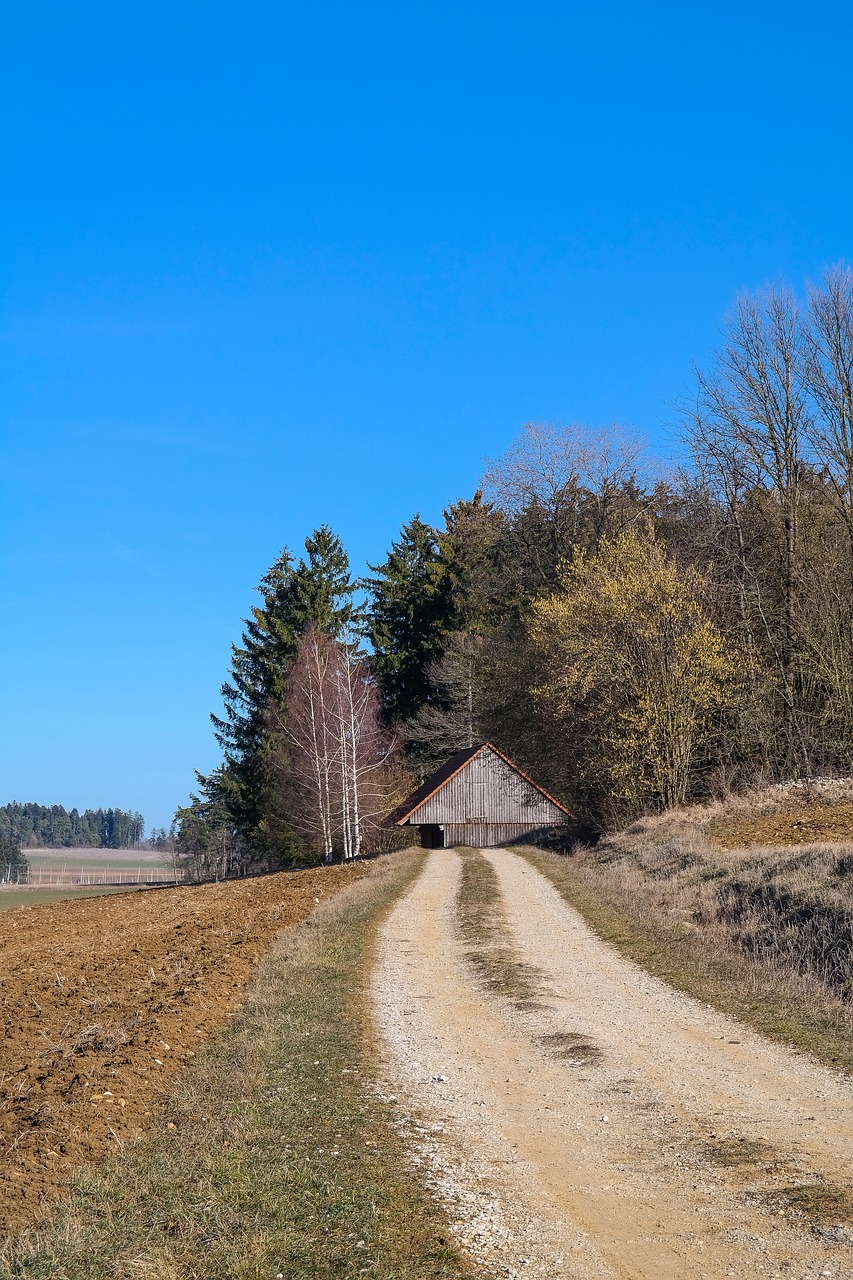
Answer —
484 930
272 1156
688 959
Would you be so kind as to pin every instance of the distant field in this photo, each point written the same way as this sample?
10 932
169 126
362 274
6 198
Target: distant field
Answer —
38 897
69 867
109 857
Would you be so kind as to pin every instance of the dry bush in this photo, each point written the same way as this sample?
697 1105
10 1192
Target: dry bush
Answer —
758 802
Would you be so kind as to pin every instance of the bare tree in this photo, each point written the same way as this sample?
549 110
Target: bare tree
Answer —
750 425
722 476
452 717
548 461
559 484
829 338
335 756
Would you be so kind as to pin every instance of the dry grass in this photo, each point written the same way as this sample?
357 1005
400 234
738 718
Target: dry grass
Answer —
755 803
733 1153
482 924
765 934
571 1045
272 1155
790 906
819 1202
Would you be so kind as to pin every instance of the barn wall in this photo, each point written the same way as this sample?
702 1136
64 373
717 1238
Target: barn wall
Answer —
487 789
486 835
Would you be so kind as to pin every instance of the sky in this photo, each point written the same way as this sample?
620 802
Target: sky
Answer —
265 266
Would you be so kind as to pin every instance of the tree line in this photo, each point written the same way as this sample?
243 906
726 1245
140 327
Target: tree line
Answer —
31 826
632 634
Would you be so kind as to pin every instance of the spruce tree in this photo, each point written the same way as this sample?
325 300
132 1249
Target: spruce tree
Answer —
316 591
408 617
451 715
472 546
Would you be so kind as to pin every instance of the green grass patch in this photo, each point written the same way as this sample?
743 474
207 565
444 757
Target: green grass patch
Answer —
697 963
820 1202
38 897
273 1156
106 858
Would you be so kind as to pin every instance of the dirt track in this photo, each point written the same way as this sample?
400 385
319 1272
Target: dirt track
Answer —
662 1146
103 1000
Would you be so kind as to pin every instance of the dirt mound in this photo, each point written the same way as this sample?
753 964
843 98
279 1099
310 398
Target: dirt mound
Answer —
804 824
103 1000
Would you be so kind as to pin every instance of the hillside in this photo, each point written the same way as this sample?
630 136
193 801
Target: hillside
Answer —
756 889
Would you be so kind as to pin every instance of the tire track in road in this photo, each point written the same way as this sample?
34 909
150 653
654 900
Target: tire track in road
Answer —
564 1168
708 1069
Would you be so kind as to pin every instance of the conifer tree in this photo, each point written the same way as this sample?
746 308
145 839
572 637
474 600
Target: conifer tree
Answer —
318 591
13 864
408 618
470 546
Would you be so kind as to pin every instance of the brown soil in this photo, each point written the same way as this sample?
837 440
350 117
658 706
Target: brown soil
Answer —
806 824
103 1000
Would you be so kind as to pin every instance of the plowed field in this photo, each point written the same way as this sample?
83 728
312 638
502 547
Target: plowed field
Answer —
103 1000
803 824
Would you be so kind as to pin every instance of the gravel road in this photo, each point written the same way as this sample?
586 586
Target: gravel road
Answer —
661 1146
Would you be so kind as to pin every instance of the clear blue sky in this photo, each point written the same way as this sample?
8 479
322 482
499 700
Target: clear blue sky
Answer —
268 265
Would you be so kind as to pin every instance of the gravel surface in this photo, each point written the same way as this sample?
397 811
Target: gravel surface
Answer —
620 1128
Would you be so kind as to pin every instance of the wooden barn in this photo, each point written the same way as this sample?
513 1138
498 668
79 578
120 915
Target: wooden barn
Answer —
478 798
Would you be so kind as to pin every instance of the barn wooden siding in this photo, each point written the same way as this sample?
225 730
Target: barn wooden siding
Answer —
488 835
478 797
488 791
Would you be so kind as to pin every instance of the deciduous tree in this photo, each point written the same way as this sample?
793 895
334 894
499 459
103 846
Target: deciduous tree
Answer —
633 667
336 761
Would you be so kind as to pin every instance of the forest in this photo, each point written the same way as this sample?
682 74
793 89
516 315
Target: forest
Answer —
633 633
32 826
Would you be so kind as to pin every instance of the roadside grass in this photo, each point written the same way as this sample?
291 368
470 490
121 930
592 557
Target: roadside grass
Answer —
273 1156
633 912
484 931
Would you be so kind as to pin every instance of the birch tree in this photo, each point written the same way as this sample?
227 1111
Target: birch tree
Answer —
336 759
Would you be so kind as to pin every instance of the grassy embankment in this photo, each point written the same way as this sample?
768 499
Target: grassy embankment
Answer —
762 931
273 1156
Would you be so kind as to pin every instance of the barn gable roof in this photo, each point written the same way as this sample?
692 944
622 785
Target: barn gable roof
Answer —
442 776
